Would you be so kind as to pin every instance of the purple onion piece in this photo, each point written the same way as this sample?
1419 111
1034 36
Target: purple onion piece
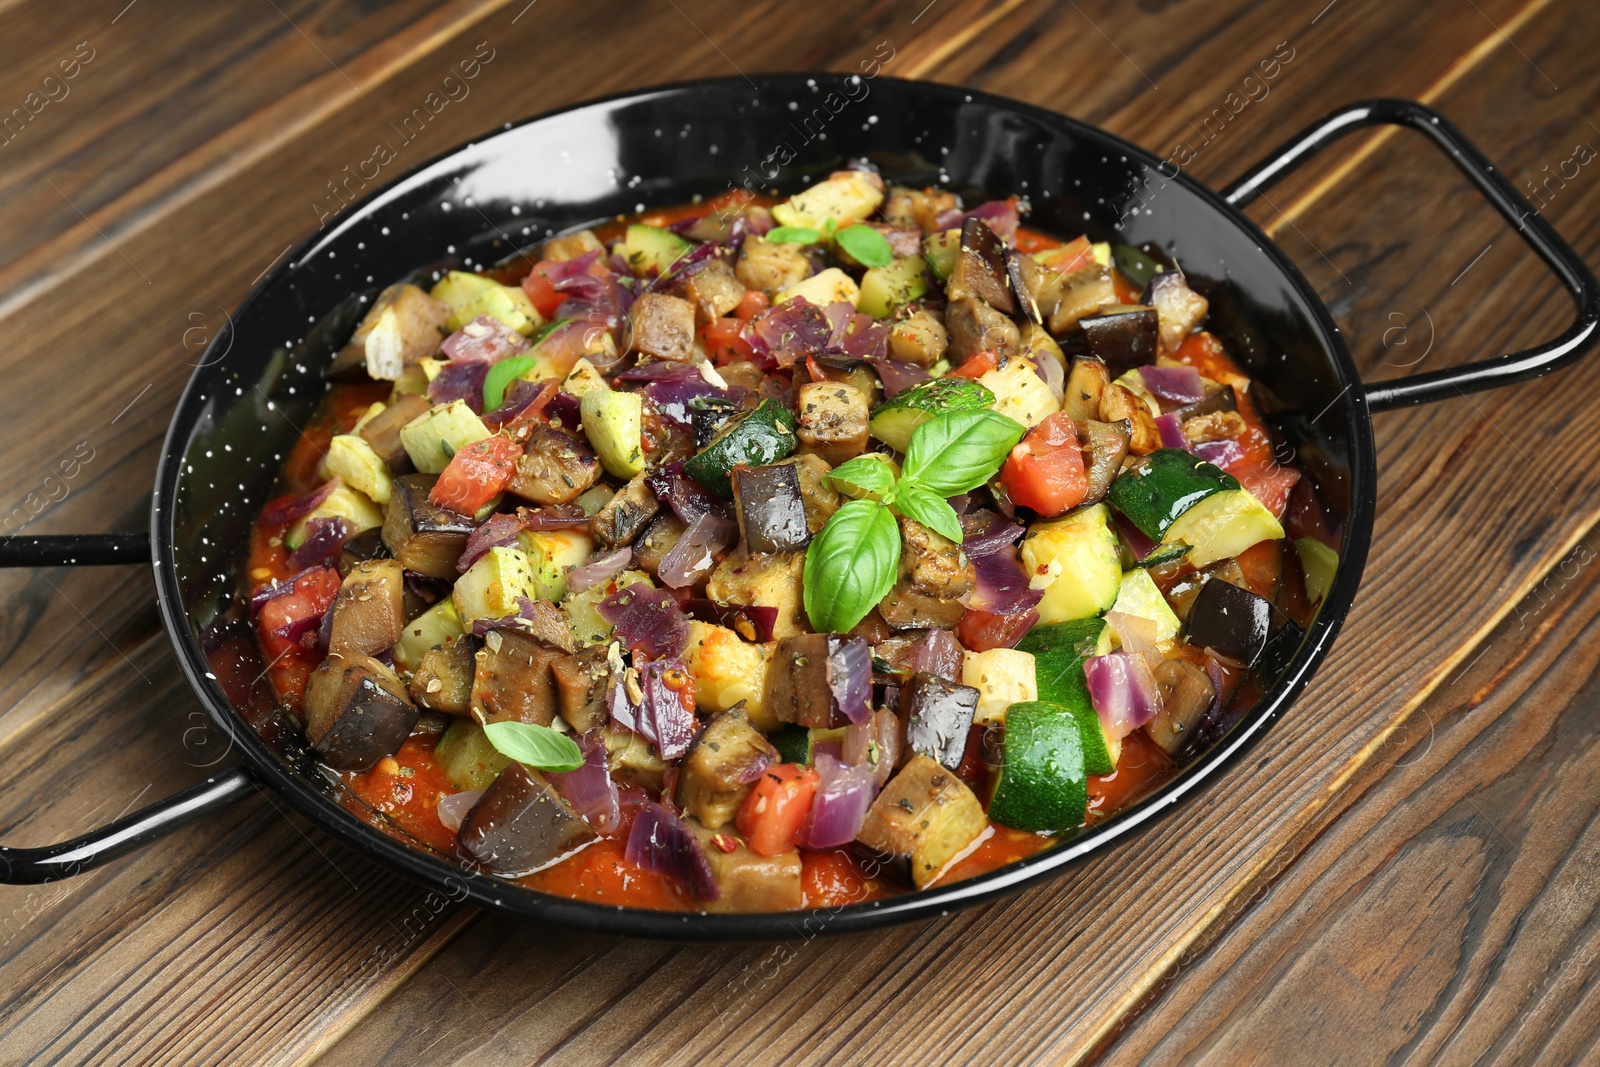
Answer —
758 765
590 789
999 215
647 621
753 623
865 338
844 794
1000 585
789 332
672 398
564 408
453 808
483 340
1130 535
662 843
459 381
599 570
659 715
1123 691
849 675
687 498
498 531
839 315
284 512
428 589
1054 376
660 371
1224 453
520 396
690 263
937 652
1171 428
897 376
696 551
1173 385
559 271
324 541
987 532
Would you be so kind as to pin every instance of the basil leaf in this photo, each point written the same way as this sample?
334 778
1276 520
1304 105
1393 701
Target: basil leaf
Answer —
501 375
538 747
794 235
851 565
930 509
868 475
866 246
548 328
960 450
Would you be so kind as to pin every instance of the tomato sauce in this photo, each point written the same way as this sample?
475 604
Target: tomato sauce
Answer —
407 787
1141 767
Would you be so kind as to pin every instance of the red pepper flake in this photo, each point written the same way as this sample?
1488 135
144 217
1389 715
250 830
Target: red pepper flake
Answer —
724 843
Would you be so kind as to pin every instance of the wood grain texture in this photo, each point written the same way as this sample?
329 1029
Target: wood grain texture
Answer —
244 941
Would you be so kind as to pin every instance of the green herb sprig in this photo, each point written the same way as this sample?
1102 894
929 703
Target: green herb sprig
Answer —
854 561
535 746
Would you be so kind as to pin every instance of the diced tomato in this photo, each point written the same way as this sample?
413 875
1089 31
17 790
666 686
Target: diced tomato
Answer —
831 879
1074 255
313 592
724 344
774 814
1269 483
476 474
1045 471
977 366
979 630
1031 240
542 292
1305 516
1127 292
753 304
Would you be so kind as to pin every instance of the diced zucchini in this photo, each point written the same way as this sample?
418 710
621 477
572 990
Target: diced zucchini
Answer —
471 295
1037 344
792 742
1043 784
1101 250
433 437
1002 677
435 626
491 587
583 380
1059 650
351 459
772 580
1223 525
614 424
551 554
650 250
1161 487
1140 597
1074 561
467 758
884 290
822 289
728 669
1320 563
894 419
1019 392
941 250
583 615
343 503
593 499
848 196
754 439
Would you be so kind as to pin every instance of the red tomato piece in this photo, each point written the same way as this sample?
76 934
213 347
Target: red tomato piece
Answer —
1268 483
977 366
753 304
1127 292
313 592
773 816
476 474
542 292
980 631
724 342
1045 471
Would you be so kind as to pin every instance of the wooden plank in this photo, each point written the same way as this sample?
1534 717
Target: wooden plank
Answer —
1484 750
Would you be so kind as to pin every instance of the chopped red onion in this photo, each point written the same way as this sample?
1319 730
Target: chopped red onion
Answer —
285 510
987 533
1224 453
1123 691
1171 428
844 794
849 676
601 298
937 652
590 789
498 531
459 381
565 409
599 570
671 399
865 338
759 764
687 498
1130 535
874 744
691 262
897 376
483 340
696 551
647 621
753 623
453 808
1055 377
324 541
1173 385
664 712
1001 216
523 400
1135 633
789 331
662 843
1000 585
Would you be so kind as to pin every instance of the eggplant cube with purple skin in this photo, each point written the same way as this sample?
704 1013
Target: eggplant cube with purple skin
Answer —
663 327
424 537
722 767
772 513
747 880
356 711
369 612
514 680
938 717
833 421
521 825
925 815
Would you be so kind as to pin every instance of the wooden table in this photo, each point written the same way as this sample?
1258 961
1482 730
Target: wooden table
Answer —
1407 865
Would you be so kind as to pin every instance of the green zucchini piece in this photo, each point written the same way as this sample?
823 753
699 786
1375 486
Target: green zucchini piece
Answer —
792 742
884 290
754 439
650 250
1140 597
941 251
894 419
614 424
1223 525
1161 555
1043 783
1320 564
1059 650
1074 560
466 757
1155 492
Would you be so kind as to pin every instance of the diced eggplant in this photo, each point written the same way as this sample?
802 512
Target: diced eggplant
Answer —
980 269
382 431
513 681
797 683
772 515
581 679
631 759
1180 307
657 540
918 338
368 544
403 326
938 717
721 768
1229 619
1023 273
356 711
1182 593
626 514
554 468
934 576
974 326
1186 695
770 265
422 536
833 421
1125 338
1219 400
856 373
749 881
820 498
1106 446
1119 404
770 580
1083 293
369 612
711 413
1085 385
663 327
443 680
714 291
547 623
925 815
521 825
